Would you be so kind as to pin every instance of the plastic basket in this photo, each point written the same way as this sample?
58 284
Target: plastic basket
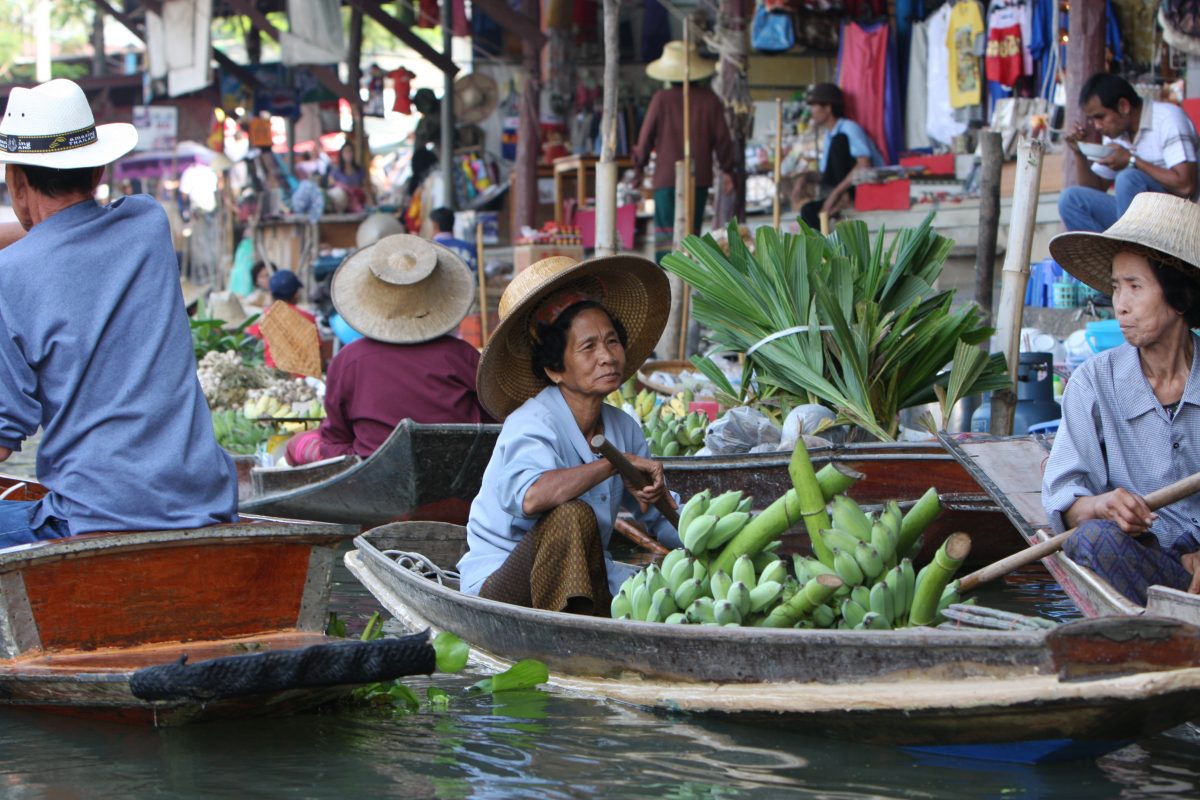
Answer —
1065 294
1104 335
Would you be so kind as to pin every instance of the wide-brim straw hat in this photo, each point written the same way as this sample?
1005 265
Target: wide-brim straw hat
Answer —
1157 225
475 97
633 289
403 289
51 125
669 66
227 307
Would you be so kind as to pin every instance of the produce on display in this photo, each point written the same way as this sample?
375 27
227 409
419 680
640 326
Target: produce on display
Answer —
670 429
867 334
251 403
237 434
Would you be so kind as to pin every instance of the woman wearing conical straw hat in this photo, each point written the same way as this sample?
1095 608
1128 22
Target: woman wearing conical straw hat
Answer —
570 333
1131 415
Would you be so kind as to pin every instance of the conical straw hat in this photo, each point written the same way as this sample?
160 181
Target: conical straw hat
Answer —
1157 225
403 289
669 66
475 97
295 343
633 289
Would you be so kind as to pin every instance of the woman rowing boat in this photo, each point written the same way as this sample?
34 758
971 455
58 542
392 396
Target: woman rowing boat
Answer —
570 333
1131 415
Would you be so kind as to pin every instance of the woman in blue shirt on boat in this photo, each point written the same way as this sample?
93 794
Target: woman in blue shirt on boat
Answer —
1131 415
570 333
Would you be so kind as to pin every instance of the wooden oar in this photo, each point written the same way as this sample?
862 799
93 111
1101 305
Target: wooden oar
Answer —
1156 500
632 474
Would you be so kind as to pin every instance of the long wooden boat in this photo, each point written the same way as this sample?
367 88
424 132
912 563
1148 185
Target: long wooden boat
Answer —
433 472
100 625
1085 687
1010 471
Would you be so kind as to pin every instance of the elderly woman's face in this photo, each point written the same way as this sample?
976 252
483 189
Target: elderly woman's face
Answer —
1142 310
593 360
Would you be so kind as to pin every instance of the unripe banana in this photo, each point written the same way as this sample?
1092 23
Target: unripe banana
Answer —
662 605
739 595
676 619
763 596
847 516
847 568
852 612
640 603
746 504
893 517
687 593
743 571
700 572
910 584
809 568
694 507
701 610
882 602
764 559
727 527
654 579
823 616
875 622
681 571
620 605
725 503
884 542
682 436
695 537
868 559
670 559
724 612
840 539
671 449
862 596
775 571
719 584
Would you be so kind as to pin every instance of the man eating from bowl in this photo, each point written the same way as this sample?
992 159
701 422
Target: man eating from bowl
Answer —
1145 147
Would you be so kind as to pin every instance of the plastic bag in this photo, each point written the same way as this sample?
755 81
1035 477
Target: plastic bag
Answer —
740 430
803 421
772 32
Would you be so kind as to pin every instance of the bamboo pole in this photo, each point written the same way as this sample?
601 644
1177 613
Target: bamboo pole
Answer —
777 212
989 220
686 185
483 302
447 109
606 168
1016 275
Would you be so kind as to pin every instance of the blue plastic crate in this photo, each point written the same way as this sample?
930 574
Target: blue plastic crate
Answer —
1104 335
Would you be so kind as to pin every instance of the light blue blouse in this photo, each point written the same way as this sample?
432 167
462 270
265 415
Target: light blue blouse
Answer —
540 436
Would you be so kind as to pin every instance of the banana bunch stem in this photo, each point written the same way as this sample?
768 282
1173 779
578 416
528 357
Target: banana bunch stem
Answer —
811 501
917 520
935 576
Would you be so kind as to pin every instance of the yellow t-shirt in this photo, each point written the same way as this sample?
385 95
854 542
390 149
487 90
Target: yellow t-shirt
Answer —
966 24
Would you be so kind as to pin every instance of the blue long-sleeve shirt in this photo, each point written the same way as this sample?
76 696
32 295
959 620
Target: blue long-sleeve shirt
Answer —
540 436
95 349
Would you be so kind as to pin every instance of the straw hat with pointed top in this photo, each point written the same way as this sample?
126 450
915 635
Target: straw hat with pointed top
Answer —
633 289
51 125
402 289
475 97
669 66
1157 225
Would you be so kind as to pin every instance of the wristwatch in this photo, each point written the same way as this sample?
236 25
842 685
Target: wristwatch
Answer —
1132 161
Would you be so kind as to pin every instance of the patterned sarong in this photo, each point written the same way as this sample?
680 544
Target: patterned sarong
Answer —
1131 565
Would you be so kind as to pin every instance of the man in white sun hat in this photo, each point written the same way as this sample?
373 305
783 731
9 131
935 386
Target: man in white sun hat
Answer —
94 342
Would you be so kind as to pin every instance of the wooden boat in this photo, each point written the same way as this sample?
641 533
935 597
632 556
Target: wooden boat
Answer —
1010 471
1085 687
433 472
97 625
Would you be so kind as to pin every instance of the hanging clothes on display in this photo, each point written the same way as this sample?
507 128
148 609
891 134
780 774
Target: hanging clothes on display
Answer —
940 123
863 67
402 85
1007 56
966 25
915 135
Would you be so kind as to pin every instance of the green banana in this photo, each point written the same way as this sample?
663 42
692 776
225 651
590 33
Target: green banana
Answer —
869 560
693 508
640 603
764 595
676 619
667 565
724 612
687 592
719 584
765 559
775 571
724 504
852 612
840 539
739 595
620 605
681 571
671 449
700 572
701 610
746 504
662 605
802 603
847 516
884 542
910 585
895 580
655 580
695 537
882 602
847 568
823 616
862 596
875 622
727 527
743 571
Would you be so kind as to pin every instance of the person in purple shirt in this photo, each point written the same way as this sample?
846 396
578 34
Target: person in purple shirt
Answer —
95 348
406 297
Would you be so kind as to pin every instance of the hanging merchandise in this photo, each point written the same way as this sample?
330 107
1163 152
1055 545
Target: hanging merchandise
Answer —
966 25
862 70
940 123
178 45
1006 58
402 86
315 34
373 83
475 97
915 134
429 15
772 32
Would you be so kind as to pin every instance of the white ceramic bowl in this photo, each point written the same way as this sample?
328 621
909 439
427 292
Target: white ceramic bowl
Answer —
1095 152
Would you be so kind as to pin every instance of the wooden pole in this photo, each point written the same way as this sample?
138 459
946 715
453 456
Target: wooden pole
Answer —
1085 57
632 474
447 143
1016 275
688 193
606 168
528 138
777 207
989 220
483 300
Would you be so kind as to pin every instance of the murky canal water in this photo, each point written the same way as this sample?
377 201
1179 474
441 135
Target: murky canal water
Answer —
540 745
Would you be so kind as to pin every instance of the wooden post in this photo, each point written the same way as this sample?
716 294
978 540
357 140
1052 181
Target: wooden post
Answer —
733 88
362 151
447 144
989 220
483 300
1085 57
606 168
777 206
1016 275
683 184
528 140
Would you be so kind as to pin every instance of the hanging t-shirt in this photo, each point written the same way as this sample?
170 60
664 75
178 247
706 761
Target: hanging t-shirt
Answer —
1007 57
940 123
966 24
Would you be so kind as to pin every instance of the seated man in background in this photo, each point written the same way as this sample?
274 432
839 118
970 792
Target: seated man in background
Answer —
406 297
442 220
1153 149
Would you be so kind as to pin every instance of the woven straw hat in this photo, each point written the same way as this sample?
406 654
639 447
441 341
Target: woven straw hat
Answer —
402 289
51 125
295 343
669 66
227 307
1157 225
475 97
633 289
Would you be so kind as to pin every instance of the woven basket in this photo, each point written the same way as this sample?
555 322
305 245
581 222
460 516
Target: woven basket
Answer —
295 345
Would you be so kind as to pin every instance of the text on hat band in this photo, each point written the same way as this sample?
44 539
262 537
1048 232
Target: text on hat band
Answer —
52 143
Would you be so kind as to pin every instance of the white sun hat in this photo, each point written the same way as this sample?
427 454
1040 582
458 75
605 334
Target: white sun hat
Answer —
51 125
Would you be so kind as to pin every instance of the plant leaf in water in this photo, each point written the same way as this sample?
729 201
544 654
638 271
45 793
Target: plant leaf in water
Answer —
452 652
374 629
525 674
335 626
438 698
403 697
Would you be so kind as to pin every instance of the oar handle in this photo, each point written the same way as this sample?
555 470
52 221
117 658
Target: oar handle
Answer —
632 474
1156 500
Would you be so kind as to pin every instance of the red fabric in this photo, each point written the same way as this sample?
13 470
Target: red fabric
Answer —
863 76
662 134
429 15
890 196
255 331
1003 61
304 448
402 81
372 385
871 8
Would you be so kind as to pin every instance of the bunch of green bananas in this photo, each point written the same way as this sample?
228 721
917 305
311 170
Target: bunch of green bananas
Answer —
670 435
627 395
236 433
707 523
